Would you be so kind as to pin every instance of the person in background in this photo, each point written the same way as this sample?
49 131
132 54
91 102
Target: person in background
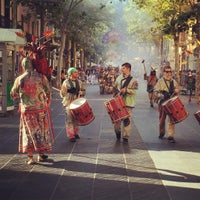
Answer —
82 78
49 73
71 89
33 90
190 83
62 76
165 88
125 86
151 82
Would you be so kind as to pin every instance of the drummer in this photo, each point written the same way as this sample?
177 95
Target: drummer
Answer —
165 89
71 89
126 86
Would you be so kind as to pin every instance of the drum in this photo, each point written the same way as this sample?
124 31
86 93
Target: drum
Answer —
116 109
197 116
175 109
81 111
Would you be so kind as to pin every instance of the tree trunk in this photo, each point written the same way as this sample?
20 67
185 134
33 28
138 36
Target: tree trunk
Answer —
60 58
82 59
74 60
197 84
69 46
177 62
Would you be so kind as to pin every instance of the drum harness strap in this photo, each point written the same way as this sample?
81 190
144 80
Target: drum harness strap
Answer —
170 87
126 82
170 93
77 86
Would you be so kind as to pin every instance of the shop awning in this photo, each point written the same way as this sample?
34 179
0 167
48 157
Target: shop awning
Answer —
9 35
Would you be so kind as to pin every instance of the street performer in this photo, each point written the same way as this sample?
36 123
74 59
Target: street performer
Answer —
165 89
151 82
33 90
71 89
126 86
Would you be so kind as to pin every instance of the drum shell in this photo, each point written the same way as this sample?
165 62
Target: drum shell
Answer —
175 109
116 109
83 114
197 116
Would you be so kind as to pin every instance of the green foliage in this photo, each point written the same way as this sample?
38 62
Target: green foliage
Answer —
87 24
139 23
169 16
84 21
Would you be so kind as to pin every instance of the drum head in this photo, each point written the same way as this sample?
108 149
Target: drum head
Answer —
77 103
169 100
166 102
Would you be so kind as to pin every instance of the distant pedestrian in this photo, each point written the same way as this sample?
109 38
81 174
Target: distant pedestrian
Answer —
71 89
126 86
190 83
62 76
33 90
151 82
165 88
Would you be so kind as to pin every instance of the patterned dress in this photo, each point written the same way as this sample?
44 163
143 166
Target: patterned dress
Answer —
33 91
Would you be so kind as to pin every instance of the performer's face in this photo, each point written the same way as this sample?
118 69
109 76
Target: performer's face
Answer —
168 74
74 75
125 71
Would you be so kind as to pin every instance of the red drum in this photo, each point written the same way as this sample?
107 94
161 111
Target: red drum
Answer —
116 109
81 111
197 116
175 109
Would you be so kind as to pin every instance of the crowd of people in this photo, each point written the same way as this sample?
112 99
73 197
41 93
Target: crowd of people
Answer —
33 90
106 79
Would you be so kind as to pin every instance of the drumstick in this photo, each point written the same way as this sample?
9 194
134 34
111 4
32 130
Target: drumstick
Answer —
145 71
110 107
173 94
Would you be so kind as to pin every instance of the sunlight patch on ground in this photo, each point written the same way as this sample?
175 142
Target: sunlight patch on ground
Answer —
178 168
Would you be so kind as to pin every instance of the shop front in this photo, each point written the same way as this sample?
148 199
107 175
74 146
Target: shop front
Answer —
10 45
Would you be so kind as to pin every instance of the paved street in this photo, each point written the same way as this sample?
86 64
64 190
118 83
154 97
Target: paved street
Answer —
97 167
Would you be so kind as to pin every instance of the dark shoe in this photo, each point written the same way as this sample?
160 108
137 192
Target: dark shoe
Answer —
161 135
118 136
72 140
171 139
77 136
42 157
125 140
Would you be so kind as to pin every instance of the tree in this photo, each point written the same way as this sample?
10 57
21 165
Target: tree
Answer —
77 21
164 14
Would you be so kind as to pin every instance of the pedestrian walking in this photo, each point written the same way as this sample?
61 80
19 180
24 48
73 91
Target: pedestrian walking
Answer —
190 83
151 82
71 89
166 88
62 76
33 90
126 86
